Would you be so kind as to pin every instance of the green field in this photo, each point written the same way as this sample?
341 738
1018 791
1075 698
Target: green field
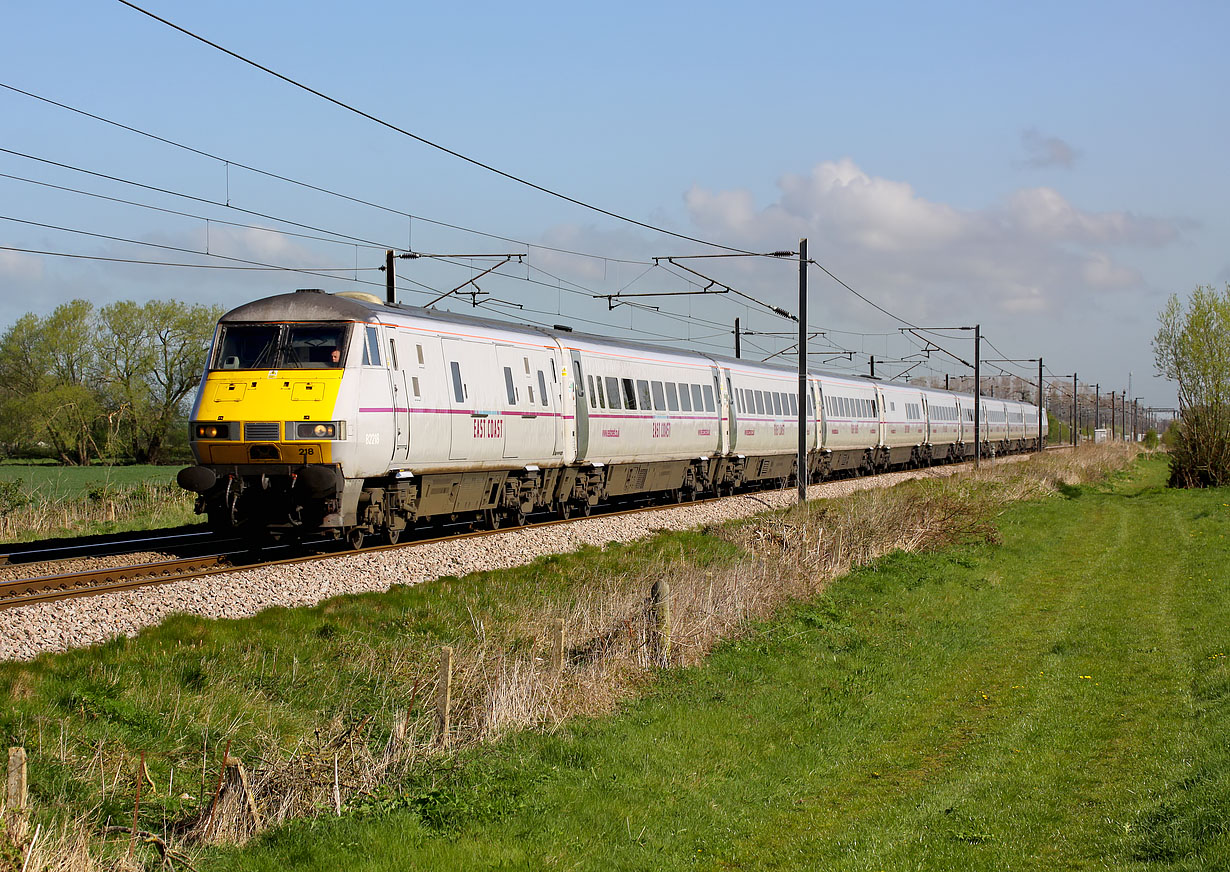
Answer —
50 501
1060 701
54 482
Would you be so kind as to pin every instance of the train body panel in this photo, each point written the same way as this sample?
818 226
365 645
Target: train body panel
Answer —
642 408
851 421
943 423
903 424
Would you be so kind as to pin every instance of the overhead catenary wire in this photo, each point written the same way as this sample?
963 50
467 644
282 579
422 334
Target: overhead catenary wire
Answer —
100 257
313 187
346 238
425 141
229 163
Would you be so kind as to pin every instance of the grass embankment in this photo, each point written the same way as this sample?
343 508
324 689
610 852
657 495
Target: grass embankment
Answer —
931 712
1059 702
48 500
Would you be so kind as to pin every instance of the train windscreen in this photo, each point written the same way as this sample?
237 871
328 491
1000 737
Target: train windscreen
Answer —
282 346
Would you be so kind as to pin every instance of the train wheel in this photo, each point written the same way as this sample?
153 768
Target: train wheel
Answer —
565 509
392 535
354 538
493 518
517 517
677 495
585 509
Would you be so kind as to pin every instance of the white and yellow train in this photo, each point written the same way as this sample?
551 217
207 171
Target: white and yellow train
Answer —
345 414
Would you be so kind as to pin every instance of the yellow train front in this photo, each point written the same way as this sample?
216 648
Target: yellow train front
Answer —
275 424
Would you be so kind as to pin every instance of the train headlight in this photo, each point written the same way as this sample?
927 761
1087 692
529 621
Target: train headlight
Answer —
319 430
211 431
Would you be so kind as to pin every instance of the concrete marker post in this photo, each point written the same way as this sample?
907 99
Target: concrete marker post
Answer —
557 646
16 793
444 693
660 609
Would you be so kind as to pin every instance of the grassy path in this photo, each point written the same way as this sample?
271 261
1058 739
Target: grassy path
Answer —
1060 701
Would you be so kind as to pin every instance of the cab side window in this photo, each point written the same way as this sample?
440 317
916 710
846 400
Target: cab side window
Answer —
371 348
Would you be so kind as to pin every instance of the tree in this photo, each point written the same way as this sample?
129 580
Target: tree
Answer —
47 377
151 358
1192 348
109 383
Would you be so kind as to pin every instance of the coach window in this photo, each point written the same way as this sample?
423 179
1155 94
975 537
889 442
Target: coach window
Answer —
542 387
601 395
685 398
629 393
414 385
759 395
508 386
593 395
777 403
709 407
642 394
458 387
612 393
393 353
672 397
527 365
659 398
419 349
698 401
794 404
739 400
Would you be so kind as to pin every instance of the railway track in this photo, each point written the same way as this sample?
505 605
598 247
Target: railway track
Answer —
92 582
50 588
40 552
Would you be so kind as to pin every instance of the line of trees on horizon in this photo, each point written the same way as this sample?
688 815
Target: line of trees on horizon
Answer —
86 384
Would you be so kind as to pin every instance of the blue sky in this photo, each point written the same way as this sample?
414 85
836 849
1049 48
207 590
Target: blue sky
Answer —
1050 170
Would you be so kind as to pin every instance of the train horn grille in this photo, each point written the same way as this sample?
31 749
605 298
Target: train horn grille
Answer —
260 431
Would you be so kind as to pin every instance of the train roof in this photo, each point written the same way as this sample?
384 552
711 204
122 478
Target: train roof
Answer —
317 305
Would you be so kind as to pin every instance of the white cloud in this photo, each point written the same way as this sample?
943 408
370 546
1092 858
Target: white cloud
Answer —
20 265
1046 151
1028 253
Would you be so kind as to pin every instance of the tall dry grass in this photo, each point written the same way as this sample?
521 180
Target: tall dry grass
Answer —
609 642
36 514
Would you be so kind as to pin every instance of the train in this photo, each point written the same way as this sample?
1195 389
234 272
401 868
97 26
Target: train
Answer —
341 414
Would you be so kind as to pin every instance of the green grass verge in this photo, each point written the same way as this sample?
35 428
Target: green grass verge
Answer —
189 685
1060 701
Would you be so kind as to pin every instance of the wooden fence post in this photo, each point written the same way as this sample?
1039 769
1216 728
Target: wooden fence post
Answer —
660 616
557 646
16 793
444 692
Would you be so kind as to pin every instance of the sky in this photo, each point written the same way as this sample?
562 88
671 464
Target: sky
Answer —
1050 171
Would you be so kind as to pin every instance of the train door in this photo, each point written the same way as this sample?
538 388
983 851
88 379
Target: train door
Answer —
819 415
401 399
733 408
576 400
475 423
376 435
724 411
529 423
881 426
